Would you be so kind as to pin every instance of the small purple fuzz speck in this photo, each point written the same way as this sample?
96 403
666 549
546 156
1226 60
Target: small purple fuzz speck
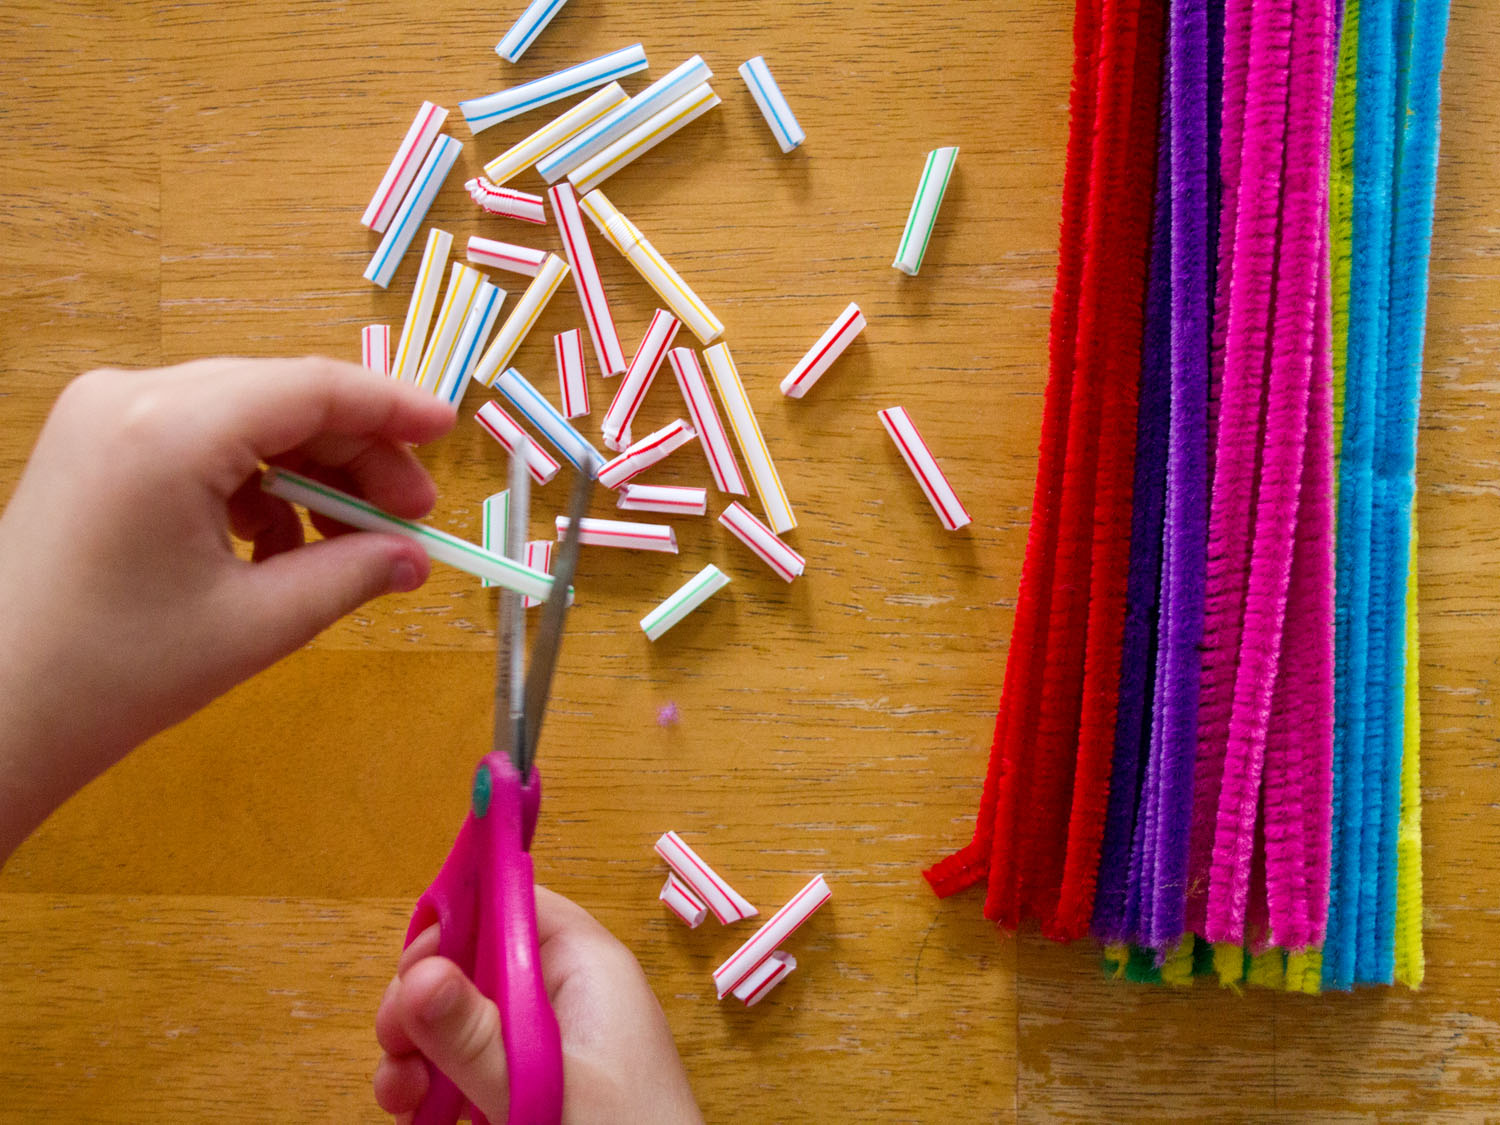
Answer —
667 715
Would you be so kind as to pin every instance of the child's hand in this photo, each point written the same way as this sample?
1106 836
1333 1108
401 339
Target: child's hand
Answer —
619 1062
123 608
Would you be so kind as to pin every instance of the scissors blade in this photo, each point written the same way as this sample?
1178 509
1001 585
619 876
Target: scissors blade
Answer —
510 626
549 632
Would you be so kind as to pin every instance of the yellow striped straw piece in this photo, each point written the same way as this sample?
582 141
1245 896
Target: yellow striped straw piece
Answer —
419 312
522 319
747 432
644 137
463 285
557 132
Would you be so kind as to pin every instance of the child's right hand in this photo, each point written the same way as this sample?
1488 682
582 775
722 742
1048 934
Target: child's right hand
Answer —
619 1061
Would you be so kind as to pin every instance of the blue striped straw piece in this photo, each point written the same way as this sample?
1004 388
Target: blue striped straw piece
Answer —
413 210
471 340
492 109
523 32
773 107
614 125
549 421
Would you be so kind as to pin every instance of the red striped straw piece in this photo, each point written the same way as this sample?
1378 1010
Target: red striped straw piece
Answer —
626 536
705 415
650 450
638 377
773 970
924 467
572 379
780 926
375 348
727 903
682 902
586 280
517 442
505 256
404 165
670 498
811 367
763 541
538 557
506 202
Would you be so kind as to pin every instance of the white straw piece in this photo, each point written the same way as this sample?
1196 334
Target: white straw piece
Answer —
413 210
650 450
572 377
924 209
375 348
508 203
626 237
774 552
644 137
773 107
517 442
614 125
424 297
697 590
819 358
463 287
767 939
643 367
670 498
481 113
549 420
478 325
494 518
403 167
557 131
705 416
773 970
522 319
682 902
506 256
619 533
919 458
752 445
523 32
727 903
317 497
538 557
586 280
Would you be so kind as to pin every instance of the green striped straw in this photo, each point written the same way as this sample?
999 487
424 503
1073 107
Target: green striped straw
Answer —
318 497
702 586
494 519
924 209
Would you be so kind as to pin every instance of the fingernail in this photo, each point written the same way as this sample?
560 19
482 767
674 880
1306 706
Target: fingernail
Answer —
442 1002
404 576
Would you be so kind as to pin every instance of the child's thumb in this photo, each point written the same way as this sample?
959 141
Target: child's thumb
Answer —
458 1029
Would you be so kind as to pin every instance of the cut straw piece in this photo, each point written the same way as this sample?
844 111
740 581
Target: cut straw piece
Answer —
682 902
650 450
819 358
752 445
403 167
586 280
705 416
572 377
614 125
644 137
506 256
517 442
626 237
413 210
522 319
523 32
727 903
632 390
538 557
508 203
375 348
924 467
463 287
535 408
626 536
494 518
482 113
757 986
773 107
779 927
471 340
787 563
697 590
519 157
670 498
439 545
424 297
924 209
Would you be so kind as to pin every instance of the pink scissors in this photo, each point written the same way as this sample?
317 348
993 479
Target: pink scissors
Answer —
484 898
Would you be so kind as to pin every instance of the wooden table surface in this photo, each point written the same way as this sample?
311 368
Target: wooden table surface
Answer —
204 933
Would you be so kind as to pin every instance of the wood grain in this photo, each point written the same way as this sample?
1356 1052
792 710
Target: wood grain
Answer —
203 934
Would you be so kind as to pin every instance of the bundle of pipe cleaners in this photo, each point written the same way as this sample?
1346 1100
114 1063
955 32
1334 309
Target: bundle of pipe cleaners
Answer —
1207 748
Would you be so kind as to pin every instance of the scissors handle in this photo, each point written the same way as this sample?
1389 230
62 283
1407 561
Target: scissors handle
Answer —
485 900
